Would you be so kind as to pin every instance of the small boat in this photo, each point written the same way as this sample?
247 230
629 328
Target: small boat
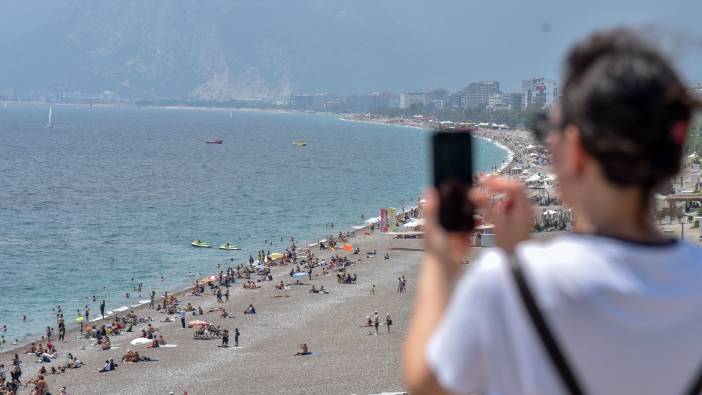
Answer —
229 247
300 143
51 118
200 244
215 141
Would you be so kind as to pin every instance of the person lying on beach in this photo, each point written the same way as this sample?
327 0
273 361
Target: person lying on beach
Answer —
368 322
322 290
280 285
314 290
304 350
153 344
297 282
161 340
250 310
224 314
31 349
387 256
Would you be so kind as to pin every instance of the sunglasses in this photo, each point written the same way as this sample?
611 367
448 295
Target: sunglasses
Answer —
540 126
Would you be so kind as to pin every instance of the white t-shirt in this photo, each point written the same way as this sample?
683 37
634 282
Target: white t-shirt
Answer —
628 317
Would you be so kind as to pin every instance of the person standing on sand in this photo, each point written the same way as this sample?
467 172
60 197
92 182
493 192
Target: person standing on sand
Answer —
86 313
236 337
376 321
372 292
219 295
102 309
153 299
181 314
225 338
226 294
62 333
399 285
309 273
388 321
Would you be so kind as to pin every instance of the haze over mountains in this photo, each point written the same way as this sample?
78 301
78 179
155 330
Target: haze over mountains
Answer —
234 49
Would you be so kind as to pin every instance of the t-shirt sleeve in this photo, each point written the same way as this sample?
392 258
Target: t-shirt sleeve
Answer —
457 351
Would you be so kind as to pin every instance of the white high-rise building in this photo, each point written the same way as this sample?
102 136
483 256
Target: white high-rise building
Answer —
539 92
408 99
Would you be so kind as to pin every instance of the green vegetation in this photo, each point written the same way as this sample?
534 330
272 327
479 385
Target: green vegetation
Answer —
694 140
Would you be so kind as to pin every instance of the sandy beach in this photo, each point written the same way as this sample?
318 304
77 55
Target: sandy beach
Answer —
346 359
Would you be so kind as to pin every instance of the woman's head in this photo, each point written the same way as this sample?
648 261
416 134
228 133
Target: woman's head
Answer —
623 116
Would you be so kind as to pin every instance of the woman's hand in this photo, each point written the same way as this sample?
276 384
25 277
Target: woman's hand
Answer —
505 204
448 247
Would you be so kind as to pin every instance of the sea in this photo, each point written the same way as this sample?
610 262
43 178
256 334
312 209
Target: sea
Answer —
113 196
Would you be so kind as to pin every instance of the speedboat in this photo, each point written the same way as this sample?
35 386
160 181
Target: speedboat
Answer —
200 244
300 143
229 247
215 141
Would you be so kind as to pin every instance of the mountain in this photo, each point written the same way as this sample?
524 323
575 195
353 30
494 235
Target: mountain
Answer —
243 49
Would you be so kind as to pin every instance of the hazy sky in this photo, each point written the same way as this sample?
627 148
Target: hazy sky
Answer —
342 46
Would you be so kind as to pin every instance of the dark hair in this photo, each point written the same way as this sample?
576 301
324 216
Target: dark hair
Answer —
631 106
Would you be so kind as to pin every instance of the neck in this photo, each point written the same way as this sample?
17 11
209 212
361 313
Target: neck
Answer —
619 212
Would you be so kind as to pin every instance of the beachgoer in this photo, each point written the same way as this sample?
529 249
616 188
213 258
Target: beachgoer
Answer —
182 316
236 337
372 291
152 299
250 310
106 368
388 321
376 321
102 309
304 350
86 313
225 338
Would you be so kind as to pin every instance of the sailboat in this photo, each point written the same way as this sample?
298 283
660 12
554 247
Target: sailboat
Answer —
51 118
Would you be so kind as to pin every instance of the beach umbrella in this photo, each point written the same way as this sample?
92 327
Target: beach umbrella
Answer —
197 323
140 340
299 275
276 255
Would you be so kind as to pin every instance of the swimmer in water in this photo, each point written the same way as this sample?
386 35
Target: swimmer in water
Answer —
24 318
127 295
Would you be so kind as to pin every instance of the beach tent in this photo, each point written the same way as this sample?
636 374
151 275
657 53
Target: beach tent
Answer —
414 222
140 340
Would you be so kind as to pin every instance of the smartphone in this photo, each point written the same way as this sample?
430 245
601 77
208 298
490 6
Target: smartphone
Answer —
453 177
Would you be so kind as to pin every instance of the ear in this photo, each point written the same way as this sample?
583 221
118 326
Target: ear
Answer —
575 158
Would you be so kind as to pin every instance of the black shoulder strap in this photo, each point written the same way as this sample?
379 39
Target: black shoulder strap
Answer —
545 333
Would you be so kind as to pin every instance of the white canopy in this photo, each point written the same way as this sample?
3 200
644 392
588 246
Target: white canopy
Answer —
414 222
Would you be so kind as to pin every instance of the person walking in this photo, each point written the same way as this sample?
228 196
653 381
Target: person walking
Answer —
102 309
86 313
376 321
388 321
182 315
219 295
152 299
589 312
236 337
372 291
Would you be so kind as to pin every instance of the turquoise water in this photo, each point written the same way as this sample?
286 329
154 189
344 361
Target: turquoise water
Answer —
116 193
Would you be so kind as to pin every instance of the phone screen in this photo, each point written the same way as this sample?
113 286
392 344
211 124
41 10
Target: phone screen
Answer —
453 177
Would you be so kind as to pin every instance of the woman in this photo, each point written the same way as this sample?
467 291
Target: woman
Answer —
620 304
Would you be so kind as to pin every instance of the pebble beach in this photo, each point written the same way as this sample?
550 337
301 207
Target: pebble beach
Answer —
345 358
